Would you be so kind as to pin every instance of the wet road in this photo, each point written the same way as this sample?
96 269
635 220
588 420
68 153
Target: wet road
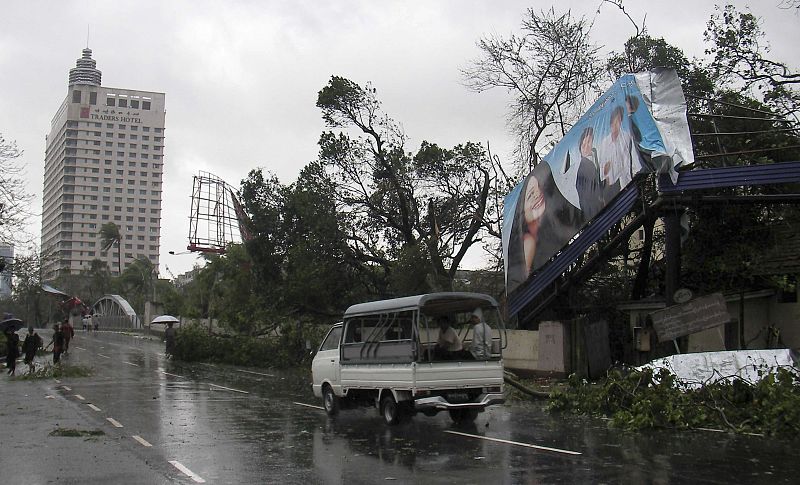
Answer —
222 424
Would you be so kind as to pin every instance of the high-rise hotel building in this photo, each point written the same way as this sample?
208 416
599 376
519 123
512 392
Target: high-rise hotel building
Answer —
104 161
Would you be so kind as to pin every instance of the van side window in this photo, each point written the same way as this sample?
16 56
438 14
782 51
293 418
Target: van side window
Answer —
332 340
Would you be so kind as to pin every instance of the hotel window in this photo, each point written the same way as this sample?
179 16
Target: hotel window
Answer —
76 96
123 103
146 105
122 127
110 102
93 97
145 128
134 128
135 103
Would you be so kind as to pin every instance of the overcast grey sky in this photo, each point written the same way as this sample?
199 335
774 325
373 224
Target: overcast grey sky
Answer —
241 77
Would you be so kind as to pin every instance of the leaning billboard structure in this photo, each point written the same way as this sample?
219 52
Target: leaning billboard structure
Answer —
638 126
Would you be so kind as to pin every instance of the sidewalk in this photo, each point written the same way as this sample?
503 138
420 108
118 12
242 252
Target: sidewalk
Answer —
31 410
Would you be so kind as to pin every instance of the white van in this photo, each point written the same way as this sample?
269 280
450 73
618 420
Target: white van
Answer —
385 354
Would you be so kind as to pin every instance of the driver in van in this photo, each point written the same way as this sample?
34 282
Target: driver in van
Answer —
448 345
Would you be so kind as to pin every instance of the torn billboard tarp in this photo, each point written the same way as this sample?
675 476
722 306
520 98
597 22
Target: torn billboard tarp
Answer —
639 125
698 369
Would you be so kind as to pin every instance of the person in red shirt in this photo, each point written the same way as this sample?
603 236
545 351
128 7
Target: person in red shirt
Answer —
68 332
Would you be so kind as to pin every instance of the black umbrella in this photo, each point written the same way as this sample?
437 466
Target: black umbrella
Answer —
12 324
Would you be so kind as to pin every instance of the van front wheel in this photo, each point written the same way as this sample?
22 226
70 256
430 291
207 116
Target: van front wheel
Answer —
330 401
390 410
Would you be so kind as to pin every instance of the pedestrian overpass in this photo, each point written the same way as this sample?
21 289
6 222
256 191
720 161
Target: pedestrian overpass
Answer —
114 312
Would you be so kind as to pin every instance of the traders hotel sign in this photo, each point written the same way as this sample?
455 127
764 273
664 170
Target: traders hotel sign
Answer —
111 115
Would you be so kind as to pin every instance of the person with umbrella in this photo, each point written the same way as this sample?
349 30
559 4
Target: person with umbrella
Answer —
32 343
12 350
9 327
169 332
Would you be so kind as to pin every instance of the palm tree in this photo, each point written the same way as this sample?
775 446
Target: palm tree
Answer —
109 235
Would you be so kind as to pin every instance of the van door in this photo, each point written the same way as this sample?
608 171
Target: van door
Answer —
325 367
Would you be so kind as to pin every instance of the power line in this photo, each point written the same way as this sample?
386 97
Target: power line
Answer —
743 152
746 132
705 115
733 105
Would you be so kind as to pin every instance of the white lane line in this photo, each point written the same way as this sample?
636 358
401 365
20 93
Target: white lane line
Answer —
79 348
186 471
131 363
94 407
66 388
79 397
142 441
49 397
173 375
227 388
256 373
309 405
527 445
104 356
113 421
57 381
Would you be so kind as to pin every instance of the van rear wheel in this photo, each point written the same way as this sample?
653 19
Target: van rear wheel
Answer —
330 401
390 410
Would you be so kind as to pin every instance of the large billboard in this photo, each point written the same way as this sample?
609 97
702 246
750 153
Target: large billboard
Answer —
639 125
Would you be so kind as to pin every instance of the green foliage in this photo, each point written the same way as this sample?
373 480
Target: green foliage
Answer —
644 399
286 349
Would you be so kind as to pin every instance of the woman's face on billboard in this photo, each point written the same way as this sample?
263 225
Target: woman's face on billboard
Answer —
534 200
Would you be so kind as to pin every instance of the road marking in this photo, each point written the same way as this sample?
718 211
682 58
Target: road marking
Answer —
104 356
173 375
256 373
113 421
228 388
49 397
79 348
79 397
142 441
186 471
528 445
94 407
57 381
309 405
66 388
131 363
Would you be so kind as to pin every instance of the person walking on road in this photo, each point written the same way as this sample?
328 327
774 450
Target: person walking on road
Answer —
32 343
169 338
12 351
68 332
57 343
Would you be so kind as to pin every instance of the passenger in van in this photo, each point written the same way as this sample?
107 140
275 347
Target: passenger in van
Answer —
448 345
481 346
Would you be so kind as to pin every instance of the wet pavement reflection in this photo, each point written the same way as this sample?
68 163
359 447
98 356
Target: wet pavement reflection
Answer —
239 425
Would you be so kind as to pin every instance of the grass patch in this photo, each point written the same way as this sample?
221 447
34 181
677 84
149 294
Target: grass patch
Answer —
56 371
77 433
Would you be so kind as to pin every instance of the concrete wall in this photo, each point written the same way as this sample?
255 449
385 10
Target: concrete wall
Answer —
522 353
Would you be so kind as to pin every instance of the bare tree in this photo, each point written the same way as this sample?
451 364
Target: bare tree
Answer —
552 71
739 51
14 199
401 208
